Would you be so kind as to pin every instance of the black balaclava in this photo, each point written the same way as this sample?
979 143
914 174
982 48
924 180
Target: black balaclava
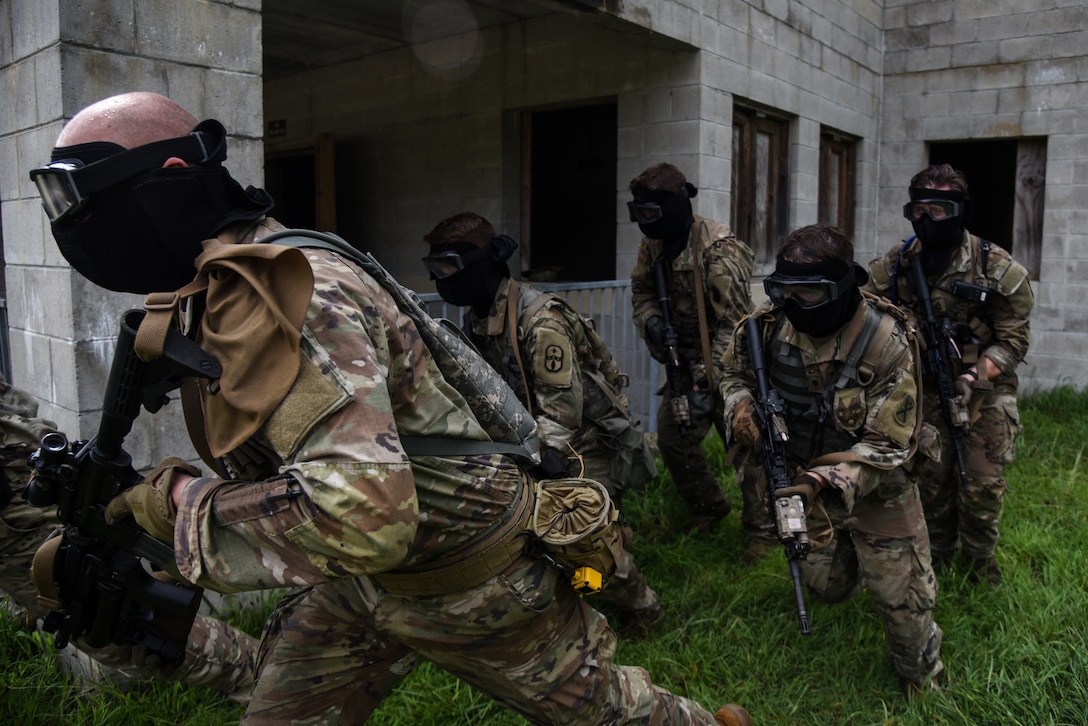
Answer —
676 217
144 234
940 239
826 319
474 286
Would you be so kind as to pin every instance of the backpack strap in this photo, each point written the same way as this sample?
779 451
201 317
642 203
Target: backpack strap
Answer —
512 333
444 344
866 349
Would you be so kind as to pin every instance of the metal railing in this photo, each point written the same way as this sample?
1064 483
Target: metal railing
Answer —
608 304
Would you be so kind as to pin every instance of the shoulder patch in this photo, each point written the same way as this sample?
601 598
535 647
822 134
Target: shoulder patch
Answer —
553 359
311 399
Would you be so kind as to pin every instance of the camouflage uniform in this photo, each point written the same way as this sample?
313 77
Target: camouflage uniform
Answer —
356 507
217 655
878 536
566 404
1000 330
726 267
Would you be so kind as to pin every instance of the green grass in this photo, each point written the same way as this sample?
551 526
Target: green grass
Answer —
1016 655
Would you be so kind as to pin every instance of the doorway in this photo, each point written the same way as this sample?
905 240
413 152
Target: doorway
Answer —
569 194
1006 183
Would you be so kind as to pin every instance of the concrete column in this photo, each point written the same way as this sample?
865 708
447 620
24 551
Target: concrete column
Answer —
56 57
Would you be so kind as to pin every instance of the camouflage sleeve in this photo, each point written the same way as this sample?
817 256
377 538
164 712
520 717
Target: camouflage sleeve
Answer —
890 415
556 379
644 288
728 265
880 274
1011 317
737 380
350 507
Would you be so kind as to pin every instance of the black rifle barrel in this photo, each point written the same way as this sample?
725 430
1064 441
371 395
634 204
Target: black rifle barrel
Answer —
774 435
939 354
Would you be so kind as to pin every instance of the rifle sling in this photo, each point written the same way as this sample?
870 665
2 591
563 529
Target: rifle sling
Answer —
700 302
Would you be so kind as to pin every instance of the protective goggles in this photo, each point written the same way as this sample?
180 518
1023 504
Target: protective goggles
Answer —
66 185
807 292
441 265
937 209
644 212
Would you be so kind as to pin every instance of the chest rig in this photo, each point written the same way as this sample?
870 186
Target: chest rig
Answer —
810 402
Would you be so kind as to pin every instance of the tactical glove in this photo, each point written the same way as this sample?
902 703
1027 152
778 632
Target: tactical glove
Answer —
806 485
965 385
702 400
655 338
746 430
149 502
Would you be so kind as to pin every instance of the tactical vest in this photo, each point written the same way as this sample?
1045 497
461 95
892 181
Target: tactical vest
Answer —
809 414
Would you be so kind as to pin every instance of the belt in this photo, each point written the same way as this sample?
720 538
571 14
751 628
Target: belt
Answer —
471 565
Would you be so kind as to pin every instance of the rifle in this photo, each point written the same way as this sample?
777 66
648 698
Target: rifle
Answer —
937 360
789 520
102 591
678 399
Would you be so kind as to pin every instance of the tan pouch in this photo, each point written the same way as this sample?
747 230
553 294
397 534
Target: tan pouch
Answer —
578 524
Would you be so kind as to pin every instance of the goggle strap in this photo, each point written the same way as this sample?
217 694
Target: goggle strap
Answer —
87 180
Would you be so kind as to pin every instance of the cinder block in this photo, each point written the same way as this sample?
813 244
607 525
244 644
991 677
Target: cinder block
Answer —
37 26
108 24
206 34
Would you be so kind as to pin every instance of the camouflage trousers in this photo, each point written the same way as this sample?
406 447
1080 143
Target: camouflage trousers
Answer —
331 653
882 545
755 516
970 515
217 655
627 590
685 459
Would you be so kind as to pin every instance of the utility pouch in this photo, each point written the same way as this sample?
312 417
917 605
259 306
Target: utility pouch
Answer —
579 528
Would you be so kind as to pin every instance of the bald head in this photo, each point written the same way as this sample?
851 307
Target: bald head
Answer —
129 120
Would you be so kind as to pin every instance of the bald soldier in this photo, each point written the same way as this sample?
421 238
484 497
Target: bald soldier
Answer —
337 440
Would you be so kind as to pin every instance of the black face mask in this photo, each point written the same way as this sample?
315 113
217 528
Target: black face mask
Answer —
476 284
144 234
826 319
940 239
674 219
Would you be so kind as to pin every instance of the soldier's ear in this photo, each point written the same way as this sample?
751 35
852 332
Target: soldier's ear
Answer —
504 246
861 275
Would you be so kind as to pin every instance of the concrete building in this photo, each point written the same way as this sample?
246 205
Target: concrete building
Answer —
376 119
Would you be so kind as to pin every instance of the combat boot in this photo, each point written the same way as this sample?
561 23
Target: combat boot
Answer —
732 715
985 568
635 625
706 517
756 549
914 691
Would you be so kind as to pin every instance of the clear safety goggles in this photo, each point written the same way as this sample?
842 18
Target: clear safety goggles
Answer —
808 292
441 265
66 185
60 193
644 212
937 209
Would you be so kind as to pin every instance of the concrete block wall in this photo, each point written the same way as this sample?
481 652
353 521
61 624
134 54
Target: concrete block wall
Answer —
56 57
423 144
986 69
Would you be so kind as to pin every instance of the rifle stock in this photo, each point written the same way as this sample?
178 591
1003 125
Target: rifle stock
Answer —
937 360
789 512
104 593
